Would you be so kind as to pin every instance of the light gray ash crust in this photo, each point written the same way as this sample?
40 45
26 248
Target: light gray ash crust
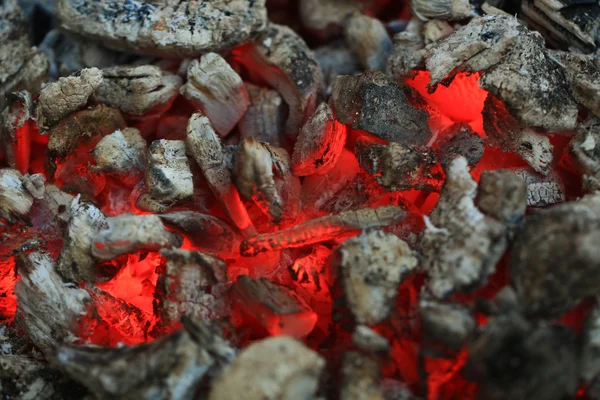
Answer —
168 175
264 118
167 28
122 155
585 149
542 190
447 324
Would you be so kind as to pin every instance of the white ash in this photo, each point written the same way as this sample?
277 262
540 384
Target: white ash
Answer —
283 60
48 309
360 377
369 41
253 173
370 267
264 118
138 90
408 51
435 30
366 339
122 155
59 99
544 252
585 149
449 10
15 199
460 245
285 368
542 190
191 286
168 175
325 17
516 68
65 135
76 263
319 144
216 89
445 323
25 377
165 27
130 233
171 367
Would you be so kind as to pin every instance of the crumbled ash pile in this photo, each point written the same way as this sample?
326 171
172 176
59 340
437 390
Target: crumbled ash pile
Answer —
299 199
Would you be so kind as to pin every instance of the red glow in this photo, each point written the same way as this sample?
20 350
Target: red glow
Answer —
8 278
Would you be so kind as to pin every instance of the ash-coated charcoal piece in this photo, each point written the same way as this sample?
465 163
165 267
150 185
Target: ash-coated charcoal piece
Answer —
166 28
367 340
76 263
513 358
283 60
360 377
516 68
168 175
59 99
435 30
446 324
502 194
408 51
265 116
335 59
585 149
542 190
461 141
138 91
193 286
325 18
15 199
215 88
15 130
449 10
370 267
319 144
322 229
128 233
285 368
368 152
460 245
551 242
122 155
172 367
590 353
48 309
278 309
375 103
369 41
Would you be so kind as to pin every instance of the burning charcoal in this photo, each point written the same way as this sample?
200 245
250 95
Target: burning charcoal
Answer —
360 192
517 69
48 309
360 377
586 151
61 98
48 215
216 89
285 368
449 10
502 194
322 229
168 368
264 119
435 30
319 143
397 390
191 286
282 59
75 262
565 23
369 41
205 232
15 199
335 59
325 18
373 102
122 155
542 190
516 359
138 90
254 177
205 146
130 233
408 51
462 142
163 27
369 152
370 341
99 119
370 267
590 361
551 242
16 126
405 167
460 245
445 324
22 67
168 175
279 310
506 132
583 74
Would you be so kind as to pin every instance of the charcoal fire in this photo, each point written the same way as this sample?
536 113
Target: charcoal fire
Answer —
122 155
